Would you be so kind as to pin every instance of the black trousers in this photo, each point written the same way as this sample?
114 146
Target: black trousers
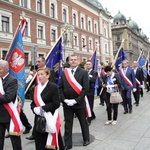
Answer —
69 116
15 140
111 108
103 96
137 95
41 138
24 119
90 97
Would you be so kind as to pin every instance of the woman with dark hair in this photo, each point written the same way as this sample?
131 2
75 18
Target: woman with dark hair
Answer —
111 83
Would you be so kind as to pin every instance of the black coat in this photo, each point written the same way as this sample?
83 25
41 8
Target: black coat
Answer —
10 87
50 97
67 92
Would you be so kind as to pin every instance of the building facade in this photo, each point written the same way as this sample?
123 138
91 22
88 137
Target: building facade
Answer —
89 28
135 39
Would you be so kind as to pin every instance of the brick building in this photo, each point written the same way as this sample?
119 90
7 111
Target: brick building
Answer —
90 27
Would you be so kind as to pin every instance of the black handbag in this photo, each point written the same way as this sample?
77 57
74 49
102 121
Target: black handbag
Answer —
41 124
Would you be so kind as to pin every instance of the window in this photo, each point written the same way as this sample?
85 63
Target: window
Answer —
82 23
53 35
40 55
39 6
83 42
95 28
40 32
64 15
105 32
89 25
52 10
74 20
90 44
24 3
26 30
106 48
5 24
26 59
4 52
75 41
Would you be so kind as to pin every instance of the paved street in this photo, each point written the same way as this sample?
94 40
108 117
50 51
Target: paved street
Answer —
132 131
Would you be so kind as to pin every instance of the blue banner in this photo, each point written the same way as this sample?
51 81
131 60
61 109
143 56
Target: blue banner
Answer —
16 60
54 60
121 56
94 61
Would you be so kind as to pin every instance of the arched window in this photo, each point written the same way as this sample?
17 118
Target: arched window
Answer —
52 10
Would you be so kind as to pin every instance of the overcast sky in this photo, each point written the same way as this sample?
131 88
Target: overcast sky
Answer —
139 11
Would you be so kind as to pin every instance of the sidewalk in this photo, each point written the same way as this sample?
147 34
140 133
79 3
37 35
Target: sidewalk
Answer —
132 131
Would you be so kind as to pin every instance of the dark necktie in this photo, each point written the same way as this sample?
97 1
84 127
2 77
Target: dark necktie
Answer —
72 71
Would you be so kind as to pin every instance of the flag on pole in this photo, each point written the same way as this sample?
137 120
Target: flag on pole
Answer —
141 60
95 68
54 60
16 59
94 61
121 56
141 63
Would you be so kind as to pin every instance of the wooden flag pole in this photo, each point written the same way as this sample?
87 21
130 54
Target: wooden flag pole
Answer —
65 29
114 60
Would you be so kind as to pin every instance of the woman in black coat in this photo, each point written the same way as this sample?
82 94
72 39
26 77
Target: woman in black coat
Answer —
46 100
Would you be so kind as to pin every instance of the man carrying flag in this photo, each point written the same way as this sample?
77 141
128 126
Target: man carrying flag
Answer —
16 61
9 118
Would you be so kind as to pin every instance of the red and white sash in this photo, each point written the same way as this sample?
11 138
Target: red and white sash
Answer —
137 82
103 73
77 87
54 122
15 127
125 78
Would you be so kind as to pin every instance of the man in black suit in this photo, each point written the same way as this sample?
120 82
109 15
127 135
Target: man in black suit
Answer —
10 86
73 88
92 78
41 63
139 82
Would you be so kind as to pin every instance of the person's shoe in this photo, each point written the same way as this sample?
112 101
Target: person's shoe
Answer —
30 137
85 143
68 147
27 130
130 111
137 105
125 112
7 136
102 104
108 122
94 117
114 122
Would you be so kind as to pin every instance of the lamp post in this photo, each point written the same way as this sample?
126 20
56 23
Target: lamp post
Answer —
67 38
